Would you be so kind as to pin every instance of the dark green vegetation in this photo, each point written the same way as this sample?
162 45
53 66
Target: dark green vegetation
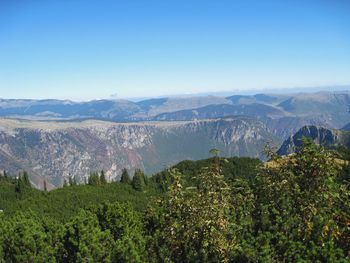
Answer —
217 210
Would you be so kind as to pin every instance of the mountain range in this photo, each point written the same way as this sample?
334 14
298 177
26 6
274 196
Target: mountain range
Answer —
277 111
57 139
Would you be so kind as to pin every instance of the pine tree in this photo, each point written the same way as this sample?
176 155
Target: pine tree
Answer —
22 182
84 241
103 178
138 180
125 178
25 239
19 185
74 180
70 181
25 179
94 179
126 227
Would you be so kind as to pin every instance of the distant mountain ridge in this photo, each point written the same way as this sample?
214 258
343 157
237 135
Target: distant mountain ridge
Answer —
329 109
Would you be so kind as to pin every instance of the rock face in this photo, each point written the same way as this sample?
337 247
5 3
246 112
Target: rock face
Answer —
320 135
54 151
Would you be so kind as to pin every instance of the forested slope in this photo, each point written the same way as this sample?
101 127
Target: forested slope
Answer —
215 210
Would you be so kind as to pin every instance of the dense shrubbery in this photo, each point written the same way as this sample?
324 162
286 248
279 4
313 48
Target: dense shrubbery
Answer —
217 210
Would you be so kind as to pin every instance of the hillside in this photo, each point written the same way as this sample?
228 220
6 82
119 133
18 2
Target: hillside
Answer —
322 136
54 151
298 209
46 203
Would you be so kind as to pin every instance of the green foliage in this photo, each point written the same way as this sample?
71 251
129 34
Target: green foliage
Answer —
103 179
94 179
196 220
215 152
292 209
126 228
84 241
125 178
138 180
45 186
22 183
298 202
25 239
63 203
72 181
25 179
232 168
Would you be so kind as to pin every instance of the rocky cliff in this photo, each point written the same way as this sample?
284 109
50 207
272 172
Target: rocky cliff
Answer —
320 135
54 151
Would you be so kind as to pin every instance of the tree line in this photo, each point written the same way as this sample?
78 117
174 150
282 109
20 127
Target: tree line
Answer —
138 181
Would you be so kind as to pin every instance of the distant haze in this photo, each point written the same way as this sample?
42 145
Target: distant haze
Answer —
282 90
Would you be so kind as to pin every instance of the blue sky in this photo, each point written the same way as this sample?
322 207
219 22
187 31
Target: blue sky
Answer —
81 50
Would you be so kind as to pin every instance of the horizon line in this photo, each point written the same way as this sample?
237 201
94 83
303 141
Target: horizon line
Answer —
222 93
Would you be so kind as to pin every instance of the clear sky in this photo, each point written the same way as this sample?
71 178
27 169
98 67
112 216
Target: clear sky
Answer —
92 49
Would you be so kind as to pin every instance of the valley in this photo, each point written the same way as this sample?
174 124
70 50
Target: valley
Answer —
55 151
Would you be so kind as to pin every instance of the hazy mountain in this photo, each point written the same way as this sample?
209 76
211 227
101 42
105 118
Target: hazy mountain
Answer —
259 111
58 109
335 107
284 113
257 98
57 150
155 107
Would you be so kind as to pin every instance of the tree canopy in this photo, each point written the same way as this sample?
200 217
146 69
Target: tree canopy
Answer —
289 209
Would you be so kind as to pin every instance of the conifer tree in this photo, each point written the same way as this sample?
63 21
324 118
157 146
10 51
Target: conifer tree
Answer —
70 181
25 179
26 240
45 186
84 241
19 185
74 180
125 178
22 182
103 178
138 180
94 179
126 228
